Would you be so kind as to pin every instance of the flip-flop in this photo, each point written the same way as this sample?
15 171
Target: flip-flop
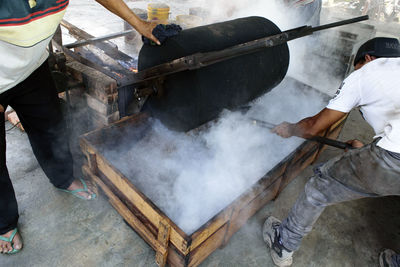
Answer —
84 189
10 240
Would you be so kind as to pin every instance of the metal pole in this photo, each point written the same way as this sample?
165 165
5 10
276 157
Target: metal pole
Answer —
319 139
98 39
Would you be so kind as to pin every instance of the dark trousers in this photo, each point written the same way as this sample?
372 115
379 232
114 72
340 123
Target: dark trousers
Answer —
37 105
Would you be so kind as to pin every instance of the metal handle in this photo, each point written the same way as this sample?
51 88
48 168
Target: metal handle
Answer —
319 139
331 142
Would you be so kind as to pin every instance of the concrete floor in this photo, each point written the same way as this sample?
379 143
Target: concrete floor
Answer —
60 230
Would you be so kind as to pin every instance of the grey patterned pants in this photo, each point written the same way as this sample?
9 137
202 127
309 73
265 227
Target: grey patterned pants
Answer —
366 172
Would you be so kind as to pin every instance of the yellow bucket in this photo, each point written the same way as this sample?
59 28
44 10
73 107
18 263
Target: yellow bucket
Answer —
158 12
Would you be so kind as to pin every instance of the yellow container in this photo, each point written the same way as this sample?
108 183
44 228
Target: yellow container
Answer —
158 12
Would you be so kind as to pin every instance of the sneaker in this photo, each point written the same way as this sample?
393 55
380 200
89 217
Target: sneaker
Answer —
280 255
386 258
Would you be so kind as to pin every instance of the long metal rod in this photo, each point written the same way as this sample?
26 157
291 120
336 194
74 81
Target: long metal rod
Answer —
108 48
319 139
98 39
200 60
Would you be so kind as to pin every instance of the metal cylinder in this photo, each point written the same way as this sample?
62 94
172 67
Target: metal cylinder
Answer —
194 97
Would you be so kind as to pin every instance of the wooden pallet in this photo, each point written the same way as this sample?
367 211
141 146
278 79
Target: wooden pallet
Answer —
170 243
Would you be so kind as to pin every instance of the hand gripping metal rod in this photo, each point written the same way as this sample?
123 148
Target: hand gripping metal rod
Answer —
319 139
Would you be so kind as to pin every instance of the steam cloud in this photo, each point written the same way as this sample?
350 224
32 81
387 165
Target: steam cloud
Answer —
191 177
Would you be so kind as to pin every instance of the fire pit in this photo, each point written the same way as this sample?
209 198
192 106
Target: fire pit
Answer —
175 242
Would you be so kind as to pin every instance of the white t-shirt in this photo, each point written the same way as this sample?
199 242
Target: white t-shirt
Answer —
375 88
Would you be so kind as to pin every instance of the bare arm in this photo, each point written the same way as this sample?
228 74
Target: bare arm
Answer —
119 8
310 126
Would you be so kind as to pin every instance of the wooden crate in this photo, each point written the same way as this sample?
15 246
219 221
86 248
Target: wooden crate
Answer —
171 244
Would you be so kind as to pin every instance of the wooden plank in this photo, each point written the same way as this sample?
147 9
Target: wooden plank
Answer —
295 168
98 56
164 231
102 108
245 210
126 214
108 47
142 203
94 80
128 204
208 229
207 247
175 259
91 159
95 137
103 120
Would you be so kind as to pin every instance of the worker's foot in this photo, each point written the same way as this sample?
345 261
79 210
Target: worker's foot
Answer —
280 255
80 189
389 258
12 117
7 247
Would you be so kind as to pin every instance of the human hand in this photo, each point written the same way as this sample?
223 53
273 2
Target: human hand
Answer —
1 109
145 28
284 129
355 143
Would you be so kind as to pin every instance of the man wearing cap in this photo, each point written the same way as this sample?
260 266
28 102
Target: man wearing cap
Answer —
371 170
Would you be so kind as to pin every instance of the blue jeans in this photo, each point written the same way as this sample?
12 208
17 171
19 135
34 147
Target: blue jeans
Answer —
366 172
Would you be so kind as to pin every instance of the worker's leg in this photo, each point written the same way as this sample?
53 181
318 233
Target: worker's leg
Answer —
37 104
8 203
319 192
366 172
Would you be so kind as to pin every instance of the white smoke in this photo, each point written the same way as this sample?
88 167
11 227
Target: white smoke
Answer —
311 58
192 177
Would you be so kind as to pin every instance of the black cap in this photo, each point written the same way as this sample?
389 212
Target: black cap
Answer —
379 47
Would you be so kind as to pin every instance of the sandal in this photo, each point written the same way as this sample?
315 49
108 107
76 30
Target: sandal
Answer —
10 240
84 189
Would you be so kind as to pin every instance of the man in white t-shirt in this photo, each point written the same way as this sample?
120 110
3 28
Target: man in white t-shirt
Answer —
368 170
26 28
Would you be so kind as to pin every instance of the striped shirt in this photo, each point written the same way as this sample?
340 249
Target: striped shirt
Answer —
26 28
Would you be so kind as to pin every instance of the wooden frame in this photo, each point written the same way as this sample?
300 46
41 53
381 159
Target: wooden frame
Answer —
172 245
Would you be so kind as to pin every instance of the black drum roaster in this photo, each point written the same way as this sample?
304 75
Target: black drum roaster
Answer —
194 97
